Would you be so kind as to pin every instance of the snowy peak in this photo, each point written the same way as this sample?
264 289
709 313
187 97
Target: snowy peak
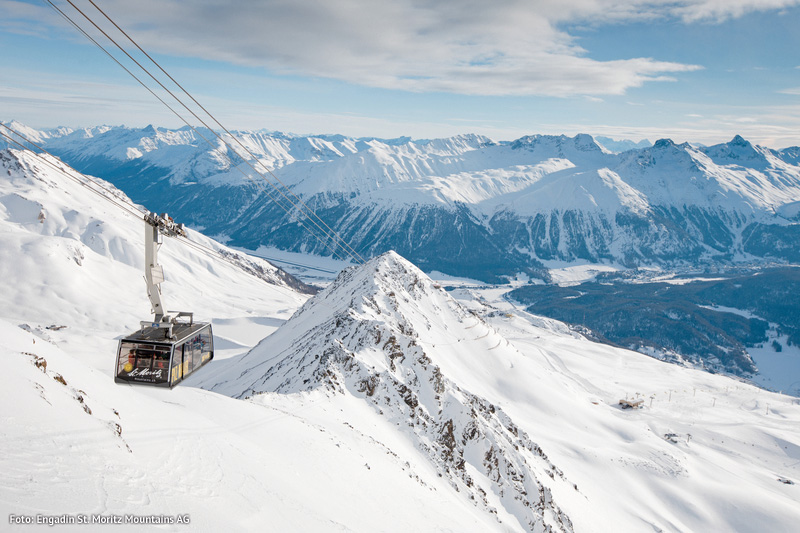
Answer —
616 146
560 146
664 163
458 144
740 153
736 177
29 133
469 169
738 140
381 301
384 333
663 144
790 155
666 152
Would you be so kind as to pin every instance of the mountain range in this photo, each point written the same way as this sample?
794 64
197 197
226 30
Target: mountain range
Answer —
382 402
466 205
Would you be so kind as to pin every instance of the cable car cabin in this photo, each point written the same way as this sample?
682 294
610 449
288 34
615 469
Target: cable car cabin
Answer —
150 357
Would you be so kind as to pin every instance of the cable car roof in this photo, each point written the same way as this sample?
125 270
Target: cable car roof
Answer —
180 330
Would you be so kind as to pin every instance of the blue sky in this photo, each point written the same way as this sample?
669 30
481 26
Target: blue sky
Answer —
691 70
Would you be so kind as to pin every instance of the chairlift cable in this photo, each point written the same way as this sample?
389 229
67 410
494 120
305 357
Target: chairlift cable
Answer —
350 249
257 184
333 235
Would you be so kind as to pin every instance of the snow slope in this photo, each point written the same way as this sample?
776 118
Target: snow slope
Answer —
730 443
323 426
367 337
456 382
73 244
75 442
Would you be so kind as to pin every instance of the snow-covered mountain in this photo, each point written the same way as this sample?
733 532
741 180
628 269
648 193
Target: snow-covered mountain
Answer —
373 336
380 404
98 239
466 205
618 146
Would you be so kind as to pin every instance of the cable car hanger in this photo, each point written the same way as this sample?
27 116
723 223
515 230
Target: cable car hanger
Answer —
155 227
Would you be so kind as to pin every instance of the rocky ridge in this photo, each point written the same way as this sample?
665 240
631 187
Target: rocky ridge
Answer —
373 334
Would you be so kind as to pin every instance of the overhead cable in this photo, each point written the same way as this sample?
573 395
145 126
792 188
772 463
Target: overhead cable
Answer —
109 194
299 200
200 135
310 215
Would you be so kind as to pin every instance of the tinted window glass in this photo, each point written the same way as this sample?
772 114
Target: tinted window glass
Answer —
206 345
143 362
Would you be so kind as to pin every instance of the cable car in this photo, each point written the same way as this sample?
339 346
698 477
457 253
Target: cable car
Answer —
149 356
168 348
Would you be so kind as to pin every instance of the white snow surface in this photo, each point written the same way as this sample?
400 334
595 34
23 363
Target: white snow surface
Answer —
322 426
572 274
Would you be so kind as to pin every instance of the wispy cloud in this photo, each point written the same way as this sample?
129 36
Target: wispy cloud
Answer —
773 126
505 47
719 10
770 136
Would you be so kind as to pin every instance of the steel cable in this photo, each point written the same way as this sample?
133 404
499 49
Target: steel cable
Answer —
214 148
332 235
350 249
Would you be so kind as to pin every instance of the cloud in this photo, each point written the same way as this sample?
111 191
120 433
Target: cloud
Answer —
687 11
719 10
28 19
504 47
776 128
